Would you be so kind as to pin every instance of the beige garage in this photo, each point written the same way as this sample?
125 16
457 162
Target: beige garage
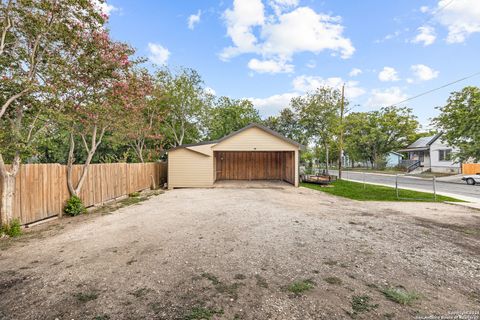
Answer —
252 153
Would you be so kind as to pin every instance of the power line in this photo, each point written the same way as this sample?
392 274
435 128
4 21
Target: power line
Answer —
437 11
436 89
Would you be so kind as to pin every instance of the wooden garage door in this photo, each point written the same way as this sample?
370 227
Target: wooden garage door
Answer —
255 165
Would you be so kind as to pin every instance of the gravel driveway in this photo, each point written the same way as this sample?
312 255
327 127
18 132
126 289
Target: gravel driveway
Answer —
246 254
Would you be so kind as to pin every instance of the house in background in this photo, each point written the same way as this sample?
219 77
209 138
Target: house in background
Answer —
393 159
431 154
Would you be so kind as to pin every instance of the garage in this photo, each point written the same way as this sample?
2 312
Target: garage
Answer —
255 165
254 152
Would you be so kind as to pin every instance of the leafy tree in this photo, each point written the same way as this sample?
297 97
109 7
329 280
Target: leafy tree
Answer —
229 115
97 96
184 96
319 114
288 124
459 119
36 38
371 135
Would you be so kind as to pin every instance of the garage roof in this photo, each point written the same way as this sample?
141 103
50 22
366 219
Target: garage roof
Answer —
253 125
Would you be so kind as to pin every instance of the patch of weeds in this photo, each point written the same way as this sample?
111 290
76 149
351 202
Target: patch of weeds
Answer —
211 277
362 304
102 317
330 263
202 313
221 287
134 194
13 229
261 281
140 292
333 280
401 296
299 287
85 297
239 276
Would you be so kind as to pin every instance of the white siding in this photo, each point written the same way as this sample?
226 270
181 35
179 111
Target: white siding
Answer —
254 139
442 166
187 168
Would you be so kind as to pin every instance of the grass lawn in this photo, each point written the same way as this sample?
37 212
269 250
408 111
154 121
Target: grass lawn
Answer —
369 192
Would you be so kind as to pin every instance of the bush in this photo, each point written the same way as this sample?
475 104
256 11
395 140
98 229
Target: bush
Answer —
74 207
14 229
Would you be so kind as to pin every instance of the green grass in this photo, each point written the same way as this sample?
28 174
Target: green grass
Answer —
357 191
299 287
202 313
362 304
401 296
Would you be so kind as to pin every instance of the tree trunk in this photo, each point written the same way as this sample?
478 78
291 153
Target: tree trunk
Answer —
327 157
8 179
8 195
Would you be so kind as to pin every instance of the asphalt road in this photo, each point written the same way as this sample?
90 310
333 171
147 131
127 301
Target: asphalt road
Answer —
415 183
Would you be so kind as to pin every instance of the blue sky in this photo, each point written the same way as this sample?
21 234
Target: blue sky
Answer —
272 50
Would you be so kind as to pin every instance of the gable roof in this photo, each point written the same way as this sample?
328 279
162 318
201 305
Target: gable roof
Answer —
252 125
424 142
267 130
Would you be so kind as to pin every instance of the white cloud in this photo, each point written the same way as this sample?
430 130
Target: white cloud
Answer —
270 66
423 72
424 9
461 17
280 37
388 74
194 19
273 104
281 5
240 20
355 72
310 83
211 91
386 97
426 35
158 54
105 8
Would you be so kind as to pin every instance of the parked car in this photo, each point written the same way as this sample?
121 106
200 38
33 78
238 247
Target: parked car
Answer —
472 179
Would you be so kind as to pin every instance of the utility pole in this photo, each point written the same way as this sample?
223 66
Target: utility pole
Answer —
340 142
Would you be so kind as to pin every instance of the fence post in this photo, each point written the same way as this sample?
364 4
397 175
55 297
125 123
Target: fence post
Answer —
435 188
364 186
396 185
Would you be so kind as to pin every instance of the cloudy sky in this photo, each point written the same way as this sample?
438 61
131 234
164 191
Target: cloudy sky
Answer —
272 50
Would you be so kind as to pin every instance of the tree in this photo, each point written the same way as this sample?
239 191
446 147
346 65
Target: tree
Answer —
288 124
459 120
97 94
318 112
229 115
142 121
36 38
371 135
184 96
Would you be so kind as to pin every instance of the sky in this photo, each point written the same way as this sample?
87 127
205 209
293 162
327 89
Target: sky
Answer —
272 50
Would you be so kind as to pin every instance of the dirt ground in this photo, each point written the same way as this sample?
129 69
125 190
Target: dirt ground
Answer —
235 253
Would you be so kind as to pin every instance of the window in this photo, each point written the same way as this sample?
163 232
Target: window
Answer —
445 155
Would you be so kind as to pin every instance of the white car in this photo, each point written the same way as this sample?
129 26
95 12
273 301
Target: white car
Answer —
472 179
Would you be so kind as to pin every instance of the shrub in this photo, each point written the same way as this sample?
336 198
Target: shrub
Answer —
14 229
299 287
74 207
401 296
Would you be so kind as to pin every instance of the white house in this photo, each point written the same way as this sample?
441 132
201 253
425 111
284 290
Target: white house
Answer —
431 154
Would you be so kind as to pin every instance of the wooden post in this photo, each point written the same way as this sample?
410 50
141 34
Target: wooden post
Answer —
340 143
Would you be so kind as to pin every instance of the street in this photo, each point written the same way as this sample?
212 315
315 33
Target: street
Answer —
405 182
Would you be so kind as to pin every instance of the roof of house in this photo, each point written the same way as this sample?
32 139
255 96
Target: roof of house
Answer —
422 143
252 125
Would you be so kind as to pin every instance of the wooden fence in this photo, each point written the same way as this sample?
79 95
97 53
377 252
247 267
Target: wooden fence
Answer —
41 189
471 168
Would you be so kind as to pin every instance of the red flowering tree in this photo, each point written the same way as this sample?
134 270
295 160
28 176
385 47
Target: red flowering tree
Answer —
37 38
96 97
